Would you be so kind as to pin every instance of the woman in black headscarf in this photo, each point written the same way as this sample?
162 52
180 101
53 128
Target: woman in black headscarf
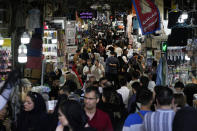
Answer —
72 117
33 116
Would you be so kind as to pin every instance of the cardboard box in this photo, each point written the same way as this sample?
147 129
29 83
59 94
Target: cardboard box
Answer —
36 73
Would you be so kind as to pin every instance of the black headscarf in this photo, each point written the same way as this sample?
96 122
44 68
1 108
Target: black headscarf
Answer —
185 120
39 103
75 114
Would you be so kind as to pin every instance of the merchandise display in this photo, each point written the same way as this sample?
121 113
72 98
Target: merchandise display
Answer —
50 45
5 59
178 65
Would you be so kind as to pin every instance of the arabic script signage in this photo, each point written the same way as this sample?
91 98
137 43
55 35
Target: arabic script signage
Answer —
86 15
148 16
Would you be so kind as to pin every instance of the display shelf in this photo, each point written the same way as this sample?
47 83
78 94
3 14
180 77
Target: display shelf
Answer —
50 45
5 62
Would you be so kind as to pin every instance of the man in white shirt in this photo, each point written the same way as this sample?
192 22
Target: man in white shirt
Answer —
124 91
97 70
130 51
118 50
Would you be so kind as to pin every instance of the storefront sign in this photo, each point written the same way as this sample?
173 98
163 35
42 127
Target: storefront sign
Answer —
148 16
86 15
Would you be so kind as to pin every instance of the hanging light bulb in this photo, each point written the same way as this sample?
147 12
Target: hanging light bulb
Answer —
22 48
184 16
1 40
22 58
25 39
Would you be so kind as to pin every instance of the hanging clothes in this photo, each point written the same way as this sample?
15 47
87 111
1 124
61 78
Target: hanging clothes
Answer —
159 73
135 23
162 72
33 20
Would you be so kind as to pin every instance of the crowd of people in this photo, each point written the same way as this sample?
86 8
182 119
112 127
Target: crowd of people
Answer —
106 88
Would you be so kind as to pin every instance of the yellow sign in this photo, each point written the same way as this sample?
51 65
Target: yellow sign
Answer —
7 42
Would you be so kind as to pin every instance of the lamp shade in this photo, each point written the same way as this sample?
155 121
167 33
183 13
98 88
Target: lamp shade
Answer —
25 39
22 48
22 54
184 15
22 58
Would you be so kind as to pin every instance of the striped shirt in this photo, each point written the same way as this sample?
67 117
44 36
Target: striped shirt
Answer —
160 120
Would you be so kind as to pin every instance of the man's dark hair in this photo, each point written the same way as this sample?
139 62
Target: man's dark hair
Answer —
71 85
136 86
145 96
144 81
102 78
112 53
94 89
123 82
179 85
164 96
136 74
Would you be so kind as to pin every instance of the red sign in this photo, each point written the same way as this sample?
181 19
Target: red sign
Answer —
148 16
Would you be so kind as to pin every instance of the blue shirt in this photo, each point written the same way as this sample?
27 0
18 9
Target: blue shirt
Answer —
134 122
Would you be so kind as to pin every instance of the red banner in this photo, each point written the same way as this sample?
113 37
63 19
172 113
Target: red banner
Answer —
148 16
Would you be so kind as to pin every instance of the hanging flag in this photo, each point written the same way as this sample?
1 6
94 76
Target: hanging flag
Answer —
148 16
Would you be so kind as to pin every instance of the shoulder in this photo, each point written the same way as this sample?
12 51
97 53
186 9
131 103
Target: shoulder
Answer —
101 113
149 114
133 119
88 129
60 128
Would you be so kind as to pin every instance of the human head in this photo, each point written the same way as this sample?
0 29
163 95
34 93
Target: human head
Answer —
92 78
96 62
136 87
145 97
102 81
179 100
91 97
185 120
144 81
71 85
34 102
123 82
179 87
58 73
112 53
164 96
135 75
129 46
110 96
71 114
89 62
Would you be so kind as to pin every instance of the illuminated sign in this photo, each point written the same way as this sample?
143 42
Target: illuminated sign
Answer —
86 15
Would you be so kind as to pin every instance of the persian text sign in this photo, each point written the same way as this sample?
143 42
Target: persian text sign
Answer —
148 16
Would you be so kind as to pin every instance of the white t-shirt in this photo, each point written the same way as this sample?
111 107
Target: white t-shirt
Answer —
124 91
118 50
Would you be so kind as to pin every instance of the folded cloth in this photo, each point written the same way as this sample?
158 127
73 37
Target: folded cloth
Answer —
34 62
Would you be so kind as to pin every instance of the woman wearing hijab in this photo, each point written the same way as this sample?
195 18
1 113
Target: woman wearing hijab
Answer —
72 117
33 116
